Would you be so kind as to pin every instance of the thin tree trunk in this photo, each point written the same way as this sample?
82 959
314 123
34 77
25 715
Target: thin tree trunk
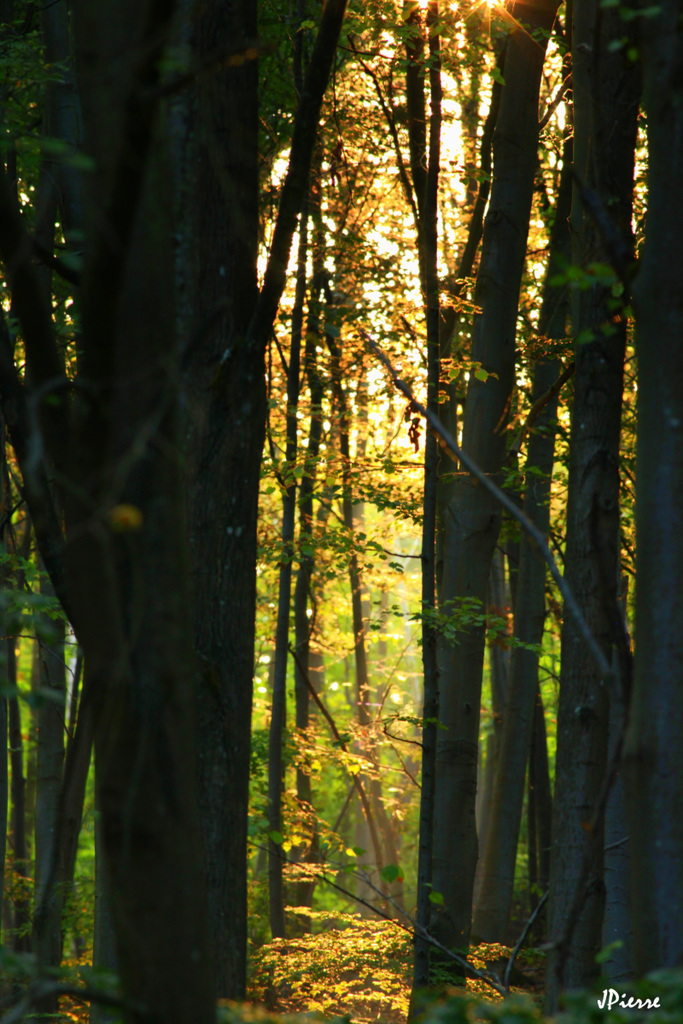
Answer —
104 937
499 667
430 704
303 625
617 926
541 794
51 707
64 119
278 718
18 793
500 849
471 520
4 791
362 681
606 97
5 498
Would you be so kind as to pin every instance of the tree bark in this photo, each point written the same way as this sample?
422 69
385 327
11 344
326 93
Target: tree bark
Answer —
654 753
51 707
22 921
471 520
500 850
225 429
278 718
428 234
606 95
226 402
104 935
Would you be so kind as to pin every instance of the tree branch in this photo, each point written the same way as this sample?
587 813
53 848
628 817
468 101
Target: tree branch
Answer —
508 504
296 181
538 407
32 305
342 746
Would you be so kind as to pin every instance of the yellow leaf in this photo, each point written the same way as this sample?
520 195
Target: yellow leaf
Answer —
125 517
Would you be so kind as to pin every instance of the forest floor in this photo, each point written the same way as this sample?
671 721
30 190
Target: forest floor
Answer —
359 968
364 970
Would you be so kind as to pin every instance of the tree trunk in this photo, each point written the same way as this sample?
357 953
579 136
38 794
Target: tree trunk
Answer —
104 936
226 403
428 208
64 119
116 448
278 718
305 658
540 795
126 559
51 708
4 792
606 94
500 851
471 520
499 668
18 793
225 430
654 753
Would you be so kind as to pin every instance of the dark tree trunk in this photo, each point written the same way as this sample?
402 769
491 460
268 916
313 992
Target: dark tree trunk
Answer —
428 208
541 798
500 851
278 717
117 450
51 707
606 95
489 746
104 935
225 430
22 921
471 521
226 402
4 793
304 661
654 752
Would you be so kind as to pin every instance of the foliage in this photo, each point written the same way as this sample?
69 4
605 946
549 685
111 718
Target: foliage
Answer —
358 967
579 1007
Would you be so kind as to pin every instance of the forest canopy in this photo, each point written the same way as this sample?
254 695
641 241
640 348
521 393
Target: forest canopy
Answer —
341 363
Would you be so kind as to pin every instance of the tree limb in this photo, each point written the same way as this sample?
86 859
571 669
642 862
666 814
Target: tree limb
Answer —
607 671
296 180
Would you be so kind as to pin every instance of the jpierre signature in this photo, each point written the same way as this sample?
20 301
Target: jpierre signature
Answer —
610 997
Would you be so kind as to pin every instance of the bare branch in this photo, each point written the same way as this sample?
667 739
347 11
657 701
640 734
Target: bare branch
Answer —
555 102
607 671
538 407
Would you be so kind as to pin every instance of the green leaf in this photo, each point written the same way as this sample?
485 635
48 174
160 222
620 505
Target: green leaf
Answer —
437 897
277 838
391 873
